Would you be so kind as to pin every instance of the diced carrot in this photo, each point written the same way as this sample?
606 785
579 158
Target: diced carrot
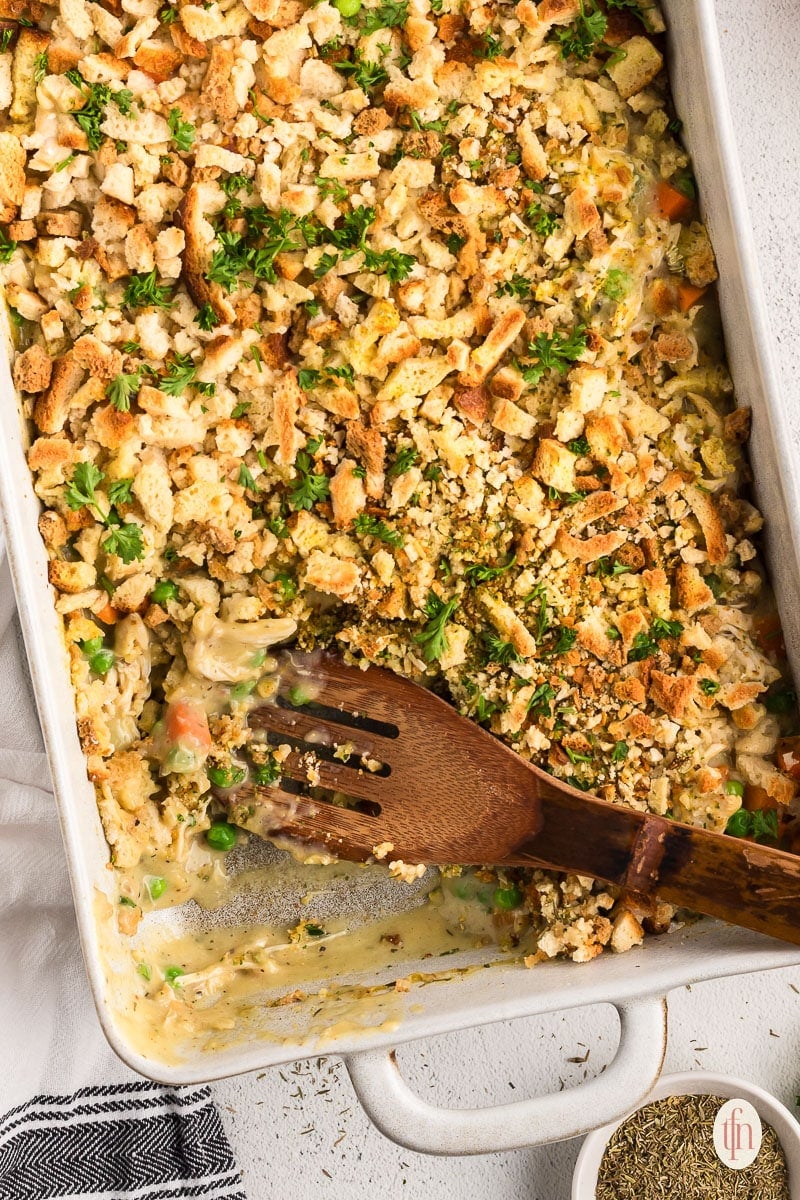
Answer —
688 295
108 615
187 719
757 798
672 203
769 635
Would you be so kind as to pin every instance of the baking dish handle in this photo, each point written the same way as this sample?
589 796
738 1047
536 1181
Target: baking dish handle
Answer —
406 1118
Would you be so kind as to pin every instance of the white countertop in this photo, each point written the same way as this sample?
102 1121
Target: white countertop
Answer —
306 1128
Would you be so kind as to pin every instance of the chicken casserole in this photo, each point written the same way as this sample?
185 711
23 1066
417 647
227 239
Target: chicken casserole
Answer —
385 327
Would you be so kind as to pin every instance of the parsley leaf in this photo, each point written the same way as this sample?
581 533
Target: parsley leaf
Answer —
182 131
81 490
331 187
579 446
554 353
143 290
308 488
566 640
369 526
126 541
709 687
433 637
388 15
542 700
497 650
181 372
96 97
121 390
7 247
395 265
40 65
482 573
119 492
517 285
206 318
581 38
620 752
367 75
405 460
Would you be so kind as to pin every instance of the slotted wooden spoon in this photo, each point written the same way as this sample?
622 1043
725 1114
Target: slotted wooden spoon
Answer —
442 790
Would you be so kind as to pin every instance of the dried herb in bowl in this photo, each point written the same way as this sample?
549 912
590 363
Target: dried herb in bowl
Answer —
666 1150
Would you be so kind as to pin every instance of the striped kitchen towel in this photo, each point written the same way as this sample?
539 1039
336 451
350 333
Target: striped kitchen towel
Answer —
127 1141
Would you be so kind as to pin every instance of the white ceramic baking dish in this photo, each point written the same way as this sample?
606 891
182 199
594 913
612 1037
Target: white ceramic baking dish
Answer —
635 983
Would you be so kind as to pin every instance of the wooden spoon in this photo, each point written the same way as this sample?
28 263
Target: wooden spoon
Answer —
439 789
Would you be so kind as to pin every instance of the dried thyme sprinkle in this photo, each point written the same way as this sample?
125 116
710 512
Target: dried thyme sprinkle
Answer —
665 1151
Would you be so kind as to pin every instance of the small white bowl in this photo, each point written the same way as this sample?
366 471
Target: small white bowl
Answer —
695 1083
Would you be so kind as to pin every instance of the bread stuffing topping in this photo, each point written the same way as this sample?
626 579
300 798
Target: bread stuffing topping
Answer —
386 327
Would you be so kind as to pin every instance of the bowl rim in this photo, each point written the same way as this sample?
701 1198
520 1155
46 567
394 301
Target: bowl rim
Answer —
693 1083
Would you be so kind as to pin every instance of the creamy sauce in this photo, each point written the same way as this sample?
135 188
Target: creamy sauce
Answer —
213 989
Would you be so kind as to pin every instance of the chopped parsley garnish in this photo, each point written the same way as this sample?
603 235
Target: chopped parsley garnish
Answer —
367 75
308 488
125 538
406 458
646 644
556 352
579 446
206 318
517 285
7 247
331 188
388 15
483 573
5 40
327 262
168 15
392 263
96 97
542 700
182 132
488 46
574 756
126 541
542 222
432 473
40 64
142 290
581 38
181 372
566 640
309 377
709 687
369 526
122 389
119 492
606 566
245 479
417 122
620 752
455 242
498 650
433 637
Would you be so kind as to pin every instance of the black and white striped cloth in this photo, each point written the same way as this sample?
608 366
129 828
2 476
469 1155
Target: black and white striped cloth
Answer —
129 1141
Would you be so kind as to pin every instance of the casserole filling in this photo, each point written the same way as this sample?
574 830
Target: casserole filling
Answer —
384 327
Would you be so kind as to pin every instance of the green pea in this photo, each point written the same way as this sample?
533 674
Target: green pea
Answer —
226 777
734 787
163 591
740 824
242 690
298 696
221 836
156 886
348 8
172 974
507 898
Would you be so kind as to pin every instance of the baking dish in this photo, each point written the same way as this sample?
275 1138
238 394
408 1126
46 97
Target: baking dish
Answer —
636 985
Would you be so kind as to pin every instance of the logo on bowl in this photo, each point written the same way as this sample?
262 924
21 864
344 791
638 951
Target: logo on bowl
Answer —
737 1134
